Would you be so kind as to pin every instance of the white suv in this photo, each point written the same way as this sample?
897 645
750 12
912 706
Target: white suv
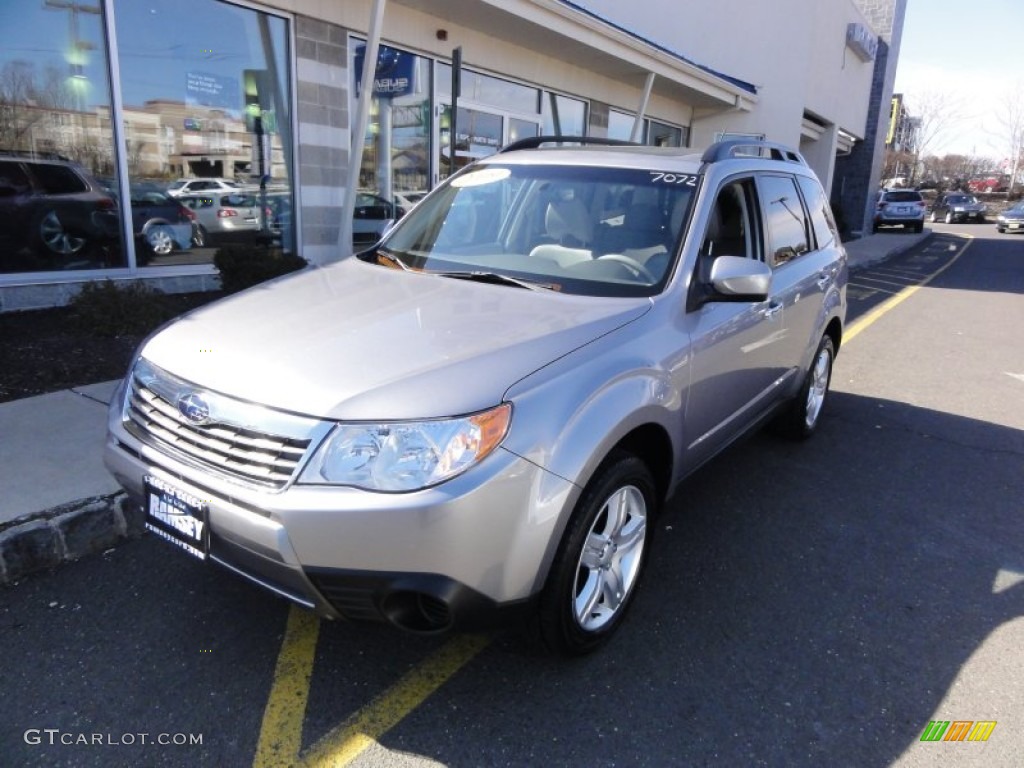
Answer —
478 419
186 186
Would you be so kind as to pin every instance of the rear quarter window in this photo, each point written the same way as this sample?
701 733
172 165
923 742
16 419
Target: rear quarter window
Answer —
825 229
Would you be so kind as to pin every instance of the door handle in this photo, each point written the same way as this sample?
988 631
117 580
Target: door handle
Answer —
824 279
772 310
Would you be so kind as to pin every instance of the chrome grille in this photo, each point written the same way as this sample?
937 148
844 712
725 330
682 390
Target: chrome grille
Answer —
243 452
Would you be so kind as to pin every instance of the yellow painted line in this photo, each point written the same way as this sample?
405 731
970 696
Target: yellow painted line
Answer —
350 739
861 323
281 730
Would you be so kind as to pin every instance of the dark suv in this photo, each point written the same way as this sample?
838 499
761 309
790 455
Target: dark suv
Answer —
51 208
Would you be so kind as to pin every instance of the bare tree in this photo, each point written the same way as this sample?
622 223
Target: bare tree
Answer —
934 113
1010 118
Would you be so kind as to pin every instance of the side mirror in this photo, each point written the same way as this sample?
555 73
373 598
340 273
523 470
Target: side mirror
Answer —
736 278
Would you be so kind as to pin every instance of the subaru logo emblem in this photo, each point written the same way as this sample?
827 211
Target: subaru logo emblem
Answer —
194 407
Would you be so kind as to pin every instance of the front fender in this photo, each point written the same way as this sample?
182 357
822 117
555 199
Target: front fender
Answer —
570 415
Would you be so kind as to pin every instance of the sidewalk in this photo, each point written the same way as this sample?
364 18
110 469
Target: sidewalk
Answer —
57 501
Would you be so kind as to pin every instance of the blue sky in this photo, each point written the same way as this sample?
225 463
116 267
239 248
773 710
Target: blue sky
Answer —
971 51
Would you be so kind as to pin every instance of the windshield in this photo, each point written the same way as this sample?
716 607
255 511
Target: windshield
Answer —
581 230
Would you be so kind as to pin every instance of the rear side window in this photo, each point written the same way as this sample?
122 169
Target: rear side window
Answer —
788 235
58 179
825 229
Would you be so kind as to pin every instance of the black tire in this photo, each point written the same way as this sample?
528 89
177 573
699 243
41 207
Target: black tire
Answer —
949 217
919 227
801 419
615 558
932 217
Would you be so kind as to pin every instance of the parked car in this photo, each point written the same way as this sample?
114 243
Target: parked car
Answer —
52 207
223 216
477 421
161 224
188 186
956 206
903 207
372 217
1011 220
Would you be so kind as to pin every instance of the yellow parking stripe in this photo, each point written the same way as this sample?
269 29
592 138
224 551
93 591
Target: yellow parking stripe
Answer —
361 731
281 730
861 323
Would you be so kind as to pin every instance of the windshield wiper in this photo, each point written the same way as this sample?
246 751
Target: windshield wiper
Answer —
498 278
380 253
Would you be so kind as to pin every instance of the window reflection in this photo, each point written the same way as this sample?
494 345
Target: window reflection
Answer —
55 140
395 171
207 126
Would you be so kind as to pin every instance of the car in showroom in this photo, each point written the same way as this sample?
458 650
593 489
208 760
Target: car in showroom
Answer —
899 207
52 210
476 422
954 207
1012 219
190 186
161 223
223 216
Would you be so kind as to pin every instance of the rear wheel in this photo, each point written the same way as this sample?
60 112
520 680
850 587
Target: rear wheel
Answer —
599 563
54 236
160 239
801 419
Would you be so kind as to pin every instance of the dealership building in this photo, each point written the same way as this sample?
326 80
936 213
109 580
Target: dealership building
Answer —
107 101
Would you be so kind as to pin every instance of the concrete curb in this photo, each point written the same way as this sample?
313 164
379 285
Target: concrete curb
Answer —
45 540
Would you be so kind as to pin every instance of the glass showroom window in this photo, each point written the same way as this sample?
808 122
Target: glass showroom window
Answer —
395 172
563 115
207 123
620 126
57 162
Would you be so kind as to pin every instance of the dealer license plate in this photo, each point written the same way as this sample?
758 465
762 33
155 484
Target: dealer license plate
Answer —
177 516
1013 225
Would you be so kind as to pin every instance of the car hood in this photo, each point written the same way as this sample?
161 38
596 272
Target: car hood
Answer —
361 341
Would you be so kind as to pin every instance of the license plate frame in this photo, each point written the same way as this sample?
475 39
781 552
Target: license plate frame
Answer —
177 516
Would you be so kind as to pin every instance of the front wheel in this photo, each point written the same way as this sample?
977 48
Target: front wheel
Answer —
949 217
801 419
598 566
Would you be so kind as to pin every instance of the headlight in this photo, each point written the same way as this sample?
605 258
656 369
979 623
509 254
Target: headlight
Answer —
406 455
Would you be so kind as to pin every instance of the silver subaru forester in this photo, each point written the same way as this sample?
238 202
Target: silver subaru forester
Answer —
476 421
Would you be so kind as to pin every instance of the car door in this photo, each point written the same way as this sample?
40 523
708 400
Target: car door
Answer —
735 364
801 272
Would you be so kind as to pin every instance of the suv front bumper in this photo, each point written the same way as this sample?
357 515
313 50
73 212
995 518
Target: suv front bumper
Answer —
467 554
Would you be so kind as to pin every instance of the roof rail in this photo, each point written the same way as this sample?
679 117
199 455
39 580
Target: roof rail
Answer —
724 150
35 154
532 142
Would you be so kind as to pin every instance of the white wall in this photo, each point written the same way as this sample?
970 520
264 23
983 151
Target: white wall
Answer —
794 51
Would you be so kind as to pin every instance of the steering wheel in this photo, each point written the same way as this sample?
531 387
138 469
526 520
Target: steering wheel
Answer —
631 264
